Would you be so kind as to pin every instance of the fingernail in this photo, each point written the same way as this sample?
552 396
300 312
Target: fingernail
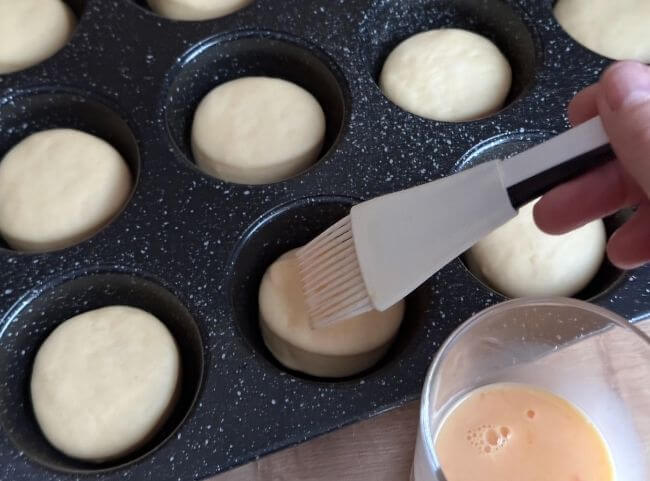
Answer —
626 84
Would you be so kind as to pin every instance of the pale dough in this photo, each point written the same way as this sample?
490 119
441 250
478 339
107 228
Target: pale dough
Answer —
338 350
58 187
616 29
31 31
256 130
519 260
448 74
104 381
196 9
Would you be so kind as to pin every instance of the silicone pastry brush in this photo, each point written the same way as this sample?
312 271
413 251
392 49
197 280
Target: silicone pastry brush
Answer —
391 244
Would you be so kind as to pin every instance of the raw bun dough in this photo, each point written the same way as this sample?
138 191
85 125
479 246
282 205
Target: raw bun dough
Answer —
519 260
256 130
449 75
104 381
616 29
31 31
58 187
338 350
196 9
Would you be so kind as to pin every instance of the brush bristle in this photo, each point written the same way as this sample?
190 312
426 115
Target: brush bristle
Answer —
331 278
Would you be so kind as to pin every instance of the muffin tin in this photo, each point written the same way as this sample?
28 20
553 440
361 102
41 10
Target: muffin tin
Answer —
192 249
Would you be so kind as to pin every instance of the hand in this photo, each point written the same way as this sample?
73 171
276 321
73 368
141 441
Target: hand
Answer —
622 99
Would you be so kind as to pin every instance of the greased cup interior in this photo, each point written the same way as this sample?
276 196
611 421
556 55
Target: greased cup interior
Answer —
31 321
581 352
250 54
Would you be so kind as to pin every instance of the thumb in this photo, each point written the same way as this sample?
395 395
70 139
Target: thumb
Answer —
624 106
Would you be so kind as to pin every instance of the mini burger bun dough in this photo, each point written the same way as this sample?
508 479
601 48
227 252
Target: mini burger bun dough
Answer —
519 260
449 75
338 350
58 187
104 382
256 130
615 29
196 9
31 31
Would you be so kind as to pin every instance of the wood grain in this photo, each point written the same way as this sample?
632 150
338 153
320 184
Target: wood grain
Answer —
381 449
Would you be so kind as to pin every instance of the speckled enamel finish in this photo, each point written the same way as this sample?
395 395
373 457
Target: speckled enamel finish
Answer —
192 249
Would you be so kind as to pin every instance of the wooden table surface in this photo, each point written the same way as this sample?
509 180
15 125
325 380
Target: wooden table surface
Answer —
381 448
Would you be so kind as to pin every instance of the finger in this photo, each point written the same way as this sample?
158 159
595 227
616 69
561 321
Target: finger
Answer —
624 105
626 84
598 193
629 247
583 106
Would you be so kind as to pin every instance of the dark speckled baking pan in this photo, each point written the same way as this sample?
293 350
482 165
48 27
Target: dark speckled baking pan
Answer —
192 249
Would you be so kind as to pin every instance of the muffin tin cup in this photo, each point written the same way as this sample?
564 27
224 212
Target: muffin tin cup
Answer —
77 6
33 318
507 145
251 53
32 111
389 23
288 227
193 245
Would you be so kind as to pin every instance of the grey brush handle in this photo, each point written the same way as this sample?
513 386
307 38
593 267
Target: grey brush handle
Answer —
534 172
401 239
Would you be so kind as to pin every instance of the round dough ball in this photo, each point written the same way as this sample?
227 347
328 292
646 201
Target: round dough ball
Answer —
338 350
256 130
519 260
196 9
31 31
58 187
104 382
615 29
450 75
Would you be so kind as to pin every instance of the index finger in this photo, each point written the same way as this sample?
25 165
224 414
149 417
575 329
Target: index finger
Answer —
583 106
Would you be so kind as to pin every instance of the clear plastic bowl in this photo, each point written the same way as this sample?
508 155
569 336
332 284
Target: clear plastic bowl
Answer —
582 352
